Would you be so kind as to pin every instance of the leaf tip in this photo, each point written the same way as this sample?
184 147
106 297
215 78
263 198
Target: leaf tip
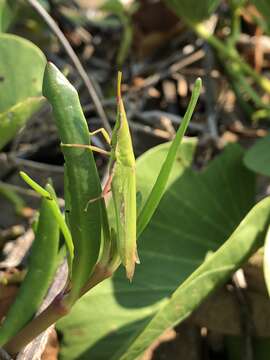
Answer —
198 83
24 176
54 81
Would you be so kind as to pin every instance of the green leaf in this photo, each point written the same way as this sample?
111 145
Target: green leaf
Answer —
145 177
198 213
161 182
257 158
12 120
81 178
246 239
21 70
193 10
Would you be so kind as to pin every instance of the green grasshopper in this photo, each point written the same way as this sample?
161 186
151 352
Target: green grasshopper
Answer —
122 183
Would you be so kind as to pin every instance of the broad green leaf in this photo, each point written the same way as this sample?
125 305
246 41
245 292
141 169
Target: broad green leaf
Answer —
193 10
145 179
257 158
198 213
246 239
21 70
12 120
22 66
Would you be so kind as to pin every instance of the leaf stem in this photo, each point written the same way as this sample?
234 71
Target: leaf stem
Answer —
56 310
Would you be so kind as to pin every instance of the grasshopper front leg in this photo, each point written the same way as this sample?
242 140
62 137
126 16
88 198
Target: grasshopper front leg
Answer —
89 147
92 147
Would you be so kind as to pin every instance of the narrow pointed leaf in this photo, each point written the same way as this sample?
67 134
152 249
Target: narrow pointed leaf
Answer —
161 182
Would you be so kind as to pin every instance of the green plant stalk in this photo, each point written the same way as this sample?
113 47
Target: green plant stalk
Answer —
235 23
248 109
160 185
41 269
233 71
49 194
81 178
231 54
55 311
233 68
126 40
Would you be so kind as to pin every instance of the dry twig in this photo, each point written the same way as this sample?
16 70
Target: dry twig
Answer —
76 61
